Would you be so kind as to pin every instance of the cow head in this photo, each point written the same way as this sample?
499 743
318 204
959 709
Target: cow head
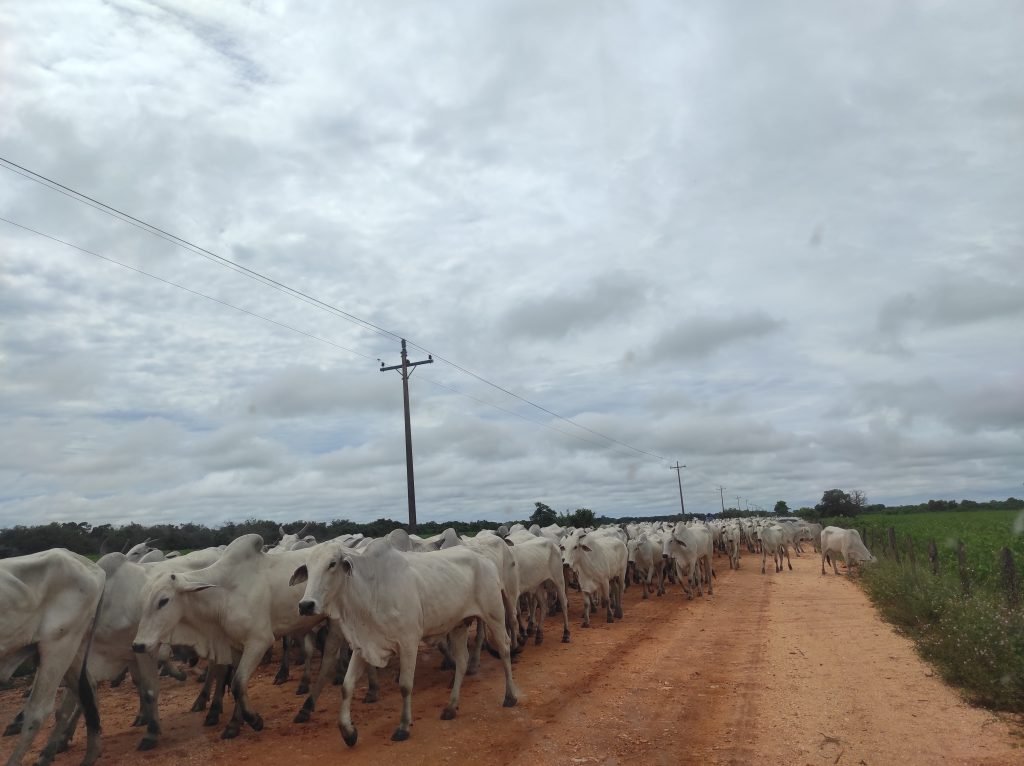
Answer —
322 575
163 604
671 544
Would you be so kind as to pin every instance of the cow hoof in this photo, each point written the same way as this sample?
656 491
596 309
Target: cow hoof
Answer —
448 714
538 640
509 701
303 689
609 618
531 630
229 733
349 737
212 718
146 744
472 670
199 705
585 625
12 730
618 612
139 721
301 717
565 636
400 735
280 678
255 721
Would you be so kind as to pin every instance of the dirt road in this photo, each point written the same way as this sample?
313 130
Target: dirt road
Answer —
789 668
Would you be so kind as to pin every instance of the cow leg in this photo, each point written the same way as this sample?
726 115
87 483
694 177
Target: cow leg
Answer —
788 562
355 666
586 610
44 689
563 603
308 650
216 674
81 697
66 721
538 637
203 698
764 560
473 666
282 672
458 638
251 655
332 649
149 697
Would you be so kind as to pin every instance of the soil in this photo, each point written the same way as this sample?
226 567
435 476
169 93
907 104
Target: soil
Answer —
786 668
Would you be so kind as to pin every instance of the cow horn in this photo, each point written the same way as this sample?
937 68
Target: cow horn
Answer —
126 546
104 547
302 531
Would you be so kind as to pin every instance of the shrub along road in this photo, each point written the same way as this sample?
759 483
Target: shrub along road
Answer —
791 668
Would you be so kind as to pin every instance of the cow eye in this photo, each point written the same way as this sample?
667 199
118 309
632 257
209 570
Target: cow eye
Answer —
162 602
332 565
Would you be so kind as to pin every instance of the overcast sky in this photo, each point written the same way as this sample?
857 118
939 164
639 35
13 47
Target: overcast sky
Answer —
781 243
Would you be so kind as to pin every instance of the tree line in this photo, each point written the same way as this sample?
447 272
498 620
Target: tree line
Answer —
86 539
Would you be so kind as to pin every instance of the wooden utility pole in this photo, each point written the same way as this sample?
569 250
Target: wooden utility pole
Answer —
677 468
722 497
405 370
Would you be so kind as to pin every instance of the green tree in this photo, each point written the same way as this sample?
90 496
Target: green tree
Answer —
781 509
543 516
835 502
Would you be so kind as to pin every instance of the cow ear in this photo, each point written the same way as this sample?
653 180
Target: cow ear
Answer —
508 542
301 575
346 565
195 587
585 548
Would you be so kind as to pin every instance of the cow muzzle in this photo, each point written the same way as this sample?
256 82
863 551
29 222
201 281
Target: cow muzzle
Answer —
307 608
664 556
139 648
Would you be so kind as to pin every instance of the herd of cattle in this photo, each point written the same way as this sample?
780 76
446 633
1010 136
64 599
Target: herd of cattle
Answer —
366 600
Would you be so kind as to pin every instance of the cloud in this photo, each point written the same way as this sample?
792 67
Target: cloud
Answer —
781 245
699 337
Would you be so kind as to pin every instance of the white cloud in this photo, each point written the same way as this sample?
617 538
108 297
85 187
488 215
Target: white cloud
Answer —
782 246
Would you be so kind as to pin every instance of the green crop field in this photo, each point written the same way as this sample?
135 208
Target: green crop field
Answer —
984 534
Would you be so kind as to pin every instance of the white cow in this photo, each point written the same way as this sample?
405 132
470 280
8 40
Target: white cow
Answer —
48 602
599 561
848 543
230 612
539 563
692 549
773 540
644 553
388 601
731 542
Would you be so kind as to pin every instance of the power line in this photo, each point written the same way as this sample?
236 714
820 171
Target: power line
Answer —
281 287
186 289
187 245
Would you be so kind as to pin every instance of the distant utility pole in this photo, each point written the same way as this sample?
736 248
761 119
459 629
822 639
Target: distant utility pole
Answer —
738 503
722 497
405 370
677 468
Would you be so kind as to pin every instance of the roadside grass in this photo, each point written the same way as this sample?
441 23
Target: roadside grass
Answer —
975 641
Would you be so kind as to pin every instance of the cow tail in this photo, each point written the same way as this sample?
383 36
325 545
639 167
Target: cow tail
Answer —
86 693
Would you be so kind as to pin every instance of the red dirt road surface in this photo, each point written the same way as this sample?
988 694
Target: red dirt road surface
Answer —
788 668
